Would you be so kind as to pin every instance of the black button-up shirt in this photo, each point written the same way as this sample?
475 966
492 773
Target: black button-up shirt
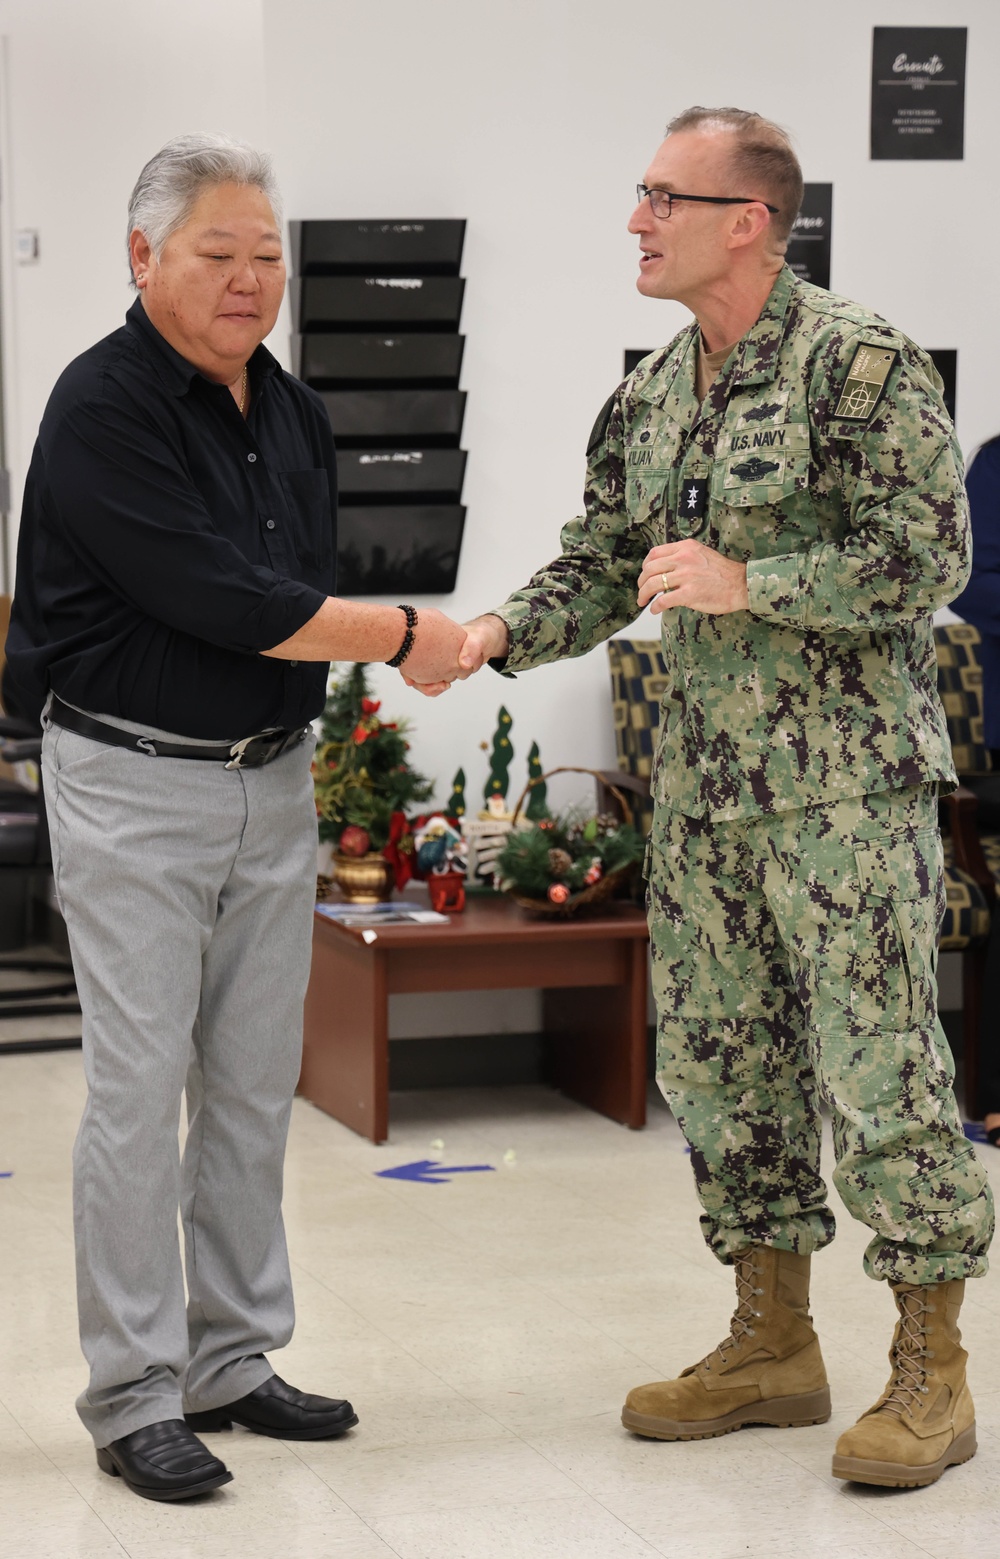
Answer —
165 542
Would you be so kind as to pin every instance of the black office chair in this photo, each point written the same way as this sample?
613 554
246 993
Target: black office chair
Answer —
25 850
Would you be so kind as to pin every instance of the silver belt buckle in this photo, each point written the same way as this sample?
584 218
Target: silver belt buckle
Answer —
238 752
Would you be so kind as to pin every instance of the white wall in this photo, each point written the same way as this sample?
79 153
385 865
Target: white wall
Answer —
91 91
533 119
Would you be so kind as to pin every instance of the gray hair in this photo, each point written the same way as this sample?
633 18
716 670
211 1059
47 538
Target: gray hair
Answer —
169 185
762 157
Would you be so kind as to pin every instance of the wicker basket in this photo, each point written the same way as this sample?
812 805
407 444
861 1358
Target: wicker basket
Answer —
597 892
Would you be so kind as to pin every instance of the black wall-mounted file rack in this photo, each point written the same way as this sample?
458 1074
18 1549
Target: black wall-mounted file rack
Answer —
376 310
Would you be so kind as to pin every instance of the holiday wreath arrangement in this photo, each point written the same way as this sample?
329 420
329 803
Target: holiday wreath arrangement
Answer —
561 864
363 784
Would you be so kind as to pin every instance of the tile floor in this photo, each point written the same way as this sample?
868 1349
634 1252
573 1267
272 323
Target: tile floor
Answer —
487 1330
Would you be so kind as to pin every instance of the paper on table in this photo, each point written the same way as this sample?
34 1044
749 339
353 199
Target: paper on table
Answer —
357 916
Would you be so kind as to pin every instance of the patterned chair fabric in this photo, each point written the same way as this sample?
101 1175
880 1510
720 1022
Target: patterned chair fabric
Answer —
638 680
960 684
967 914
991 854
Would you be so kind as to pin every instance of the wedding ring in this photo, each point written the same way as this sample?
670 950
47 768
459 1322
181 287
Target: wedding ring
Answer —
667 586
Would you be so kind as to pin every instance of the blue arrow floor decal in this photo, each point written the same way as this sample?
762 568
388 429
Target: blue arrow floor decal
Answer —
427 1172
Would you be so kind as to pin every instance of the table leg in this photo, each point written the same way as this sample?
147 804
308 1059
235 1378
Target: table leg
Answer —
345 1055
596 1042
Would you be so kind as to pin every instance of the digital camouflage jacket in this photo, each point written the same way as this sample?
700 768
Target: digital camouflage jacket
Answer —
824 457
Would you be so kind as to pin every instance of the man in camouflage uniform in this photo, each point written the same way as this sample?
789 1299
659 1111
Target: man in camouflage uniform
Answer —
783 483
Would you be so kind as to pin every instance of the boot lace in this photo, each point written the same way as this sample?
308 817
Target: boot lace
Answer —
909 1352
744 1315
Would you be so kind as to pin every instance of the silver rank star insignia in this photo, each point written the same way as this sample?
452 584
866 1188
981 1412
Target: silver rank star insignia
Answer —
694 497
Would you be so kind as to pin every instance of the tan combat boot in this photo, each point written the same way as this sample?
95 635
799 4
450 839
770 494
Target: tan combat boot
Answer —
924 1420
769 1370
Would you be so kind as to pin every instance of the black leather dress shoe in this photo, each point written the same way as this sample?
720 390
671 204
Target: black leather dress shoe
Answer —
278 1410
164 1461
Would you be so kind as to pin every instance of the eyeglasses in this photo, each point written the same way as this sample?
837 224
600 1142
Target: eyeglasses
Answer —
661 200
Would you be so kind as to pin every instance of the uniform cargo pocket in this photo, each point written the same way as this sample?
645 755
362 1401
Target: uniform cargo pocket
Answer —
900 903
953 1183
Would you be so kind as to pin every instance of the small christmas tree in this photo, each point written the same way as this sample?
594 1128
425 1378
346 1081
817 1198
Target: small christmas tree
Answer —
500 757
537 805
361 774
456 801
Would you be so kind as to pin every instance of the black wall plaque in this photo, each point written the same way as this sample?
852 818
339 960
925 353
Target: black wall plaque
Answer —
946 363
373 475
808 251
918 93
361 418
338 248
377 311
359 302
327 360
394 548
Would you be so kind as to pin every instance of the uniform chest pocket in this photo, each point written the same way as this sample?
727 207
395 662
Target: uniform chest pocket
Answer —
310 517
646 490
761 463
752 480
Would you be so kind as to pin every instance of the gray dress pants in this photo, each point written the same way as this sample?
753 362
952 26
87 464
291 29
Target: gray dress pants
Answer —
187 891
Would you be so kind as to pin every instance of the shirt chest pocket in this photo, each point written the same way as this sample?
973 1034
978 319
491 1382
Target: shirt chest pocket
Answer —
763 468
650 461
310 518
744 480
646 495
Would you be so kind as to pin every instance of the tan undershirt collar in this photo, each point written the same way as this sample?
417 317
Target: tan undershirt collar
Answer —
708 367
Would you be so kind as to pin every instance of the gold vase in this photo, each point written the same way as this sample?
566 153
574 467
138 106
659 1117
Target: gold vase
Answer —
364 879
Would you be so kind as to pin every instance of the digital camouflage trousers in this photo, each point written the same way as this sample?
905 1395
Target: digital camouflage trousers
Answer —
794 959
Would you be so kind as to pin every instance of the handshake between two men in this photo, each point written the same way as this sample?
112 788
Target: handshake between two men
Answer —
679 573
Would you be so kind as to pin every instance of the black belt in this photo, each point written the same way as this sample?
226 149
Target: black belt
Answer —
252 752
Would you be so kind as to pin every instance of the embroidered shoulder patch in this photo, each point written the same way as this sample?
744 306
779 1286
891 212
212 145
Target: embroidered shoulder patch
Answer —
601 425
866 381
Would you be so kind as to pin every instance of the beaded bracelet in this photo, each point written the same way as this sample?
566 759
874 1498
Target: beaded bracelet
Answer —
410 613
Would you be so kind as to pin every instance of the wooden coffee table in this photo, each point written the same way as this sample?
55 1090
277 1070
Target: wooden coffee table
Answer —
592 972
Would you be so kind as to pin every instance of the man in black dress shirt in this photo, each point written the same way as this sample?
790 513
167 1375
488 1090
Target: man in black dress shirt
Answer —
174 603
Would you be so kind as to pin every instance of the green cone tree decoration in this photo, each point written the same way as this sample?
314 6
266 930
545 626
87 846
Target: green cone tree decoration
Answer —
456 801
536 806
500 757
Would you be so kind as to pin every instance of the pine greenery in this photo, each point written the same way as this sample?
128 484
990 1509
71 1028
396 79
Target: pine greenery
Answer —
526 862
361 773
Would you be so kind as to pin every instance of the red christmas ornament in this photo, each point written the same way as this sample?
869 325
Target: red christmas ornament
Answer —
371 706
594 873
558 893
354 841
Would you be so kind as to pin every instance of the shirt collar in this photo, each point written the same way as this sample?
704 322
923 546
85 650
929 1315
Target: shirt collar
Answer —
757 359
754 359
175 371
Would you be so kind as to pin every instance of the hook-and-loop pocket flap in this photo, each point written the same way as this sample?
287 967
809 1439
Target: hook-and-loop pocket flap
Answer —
891 868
